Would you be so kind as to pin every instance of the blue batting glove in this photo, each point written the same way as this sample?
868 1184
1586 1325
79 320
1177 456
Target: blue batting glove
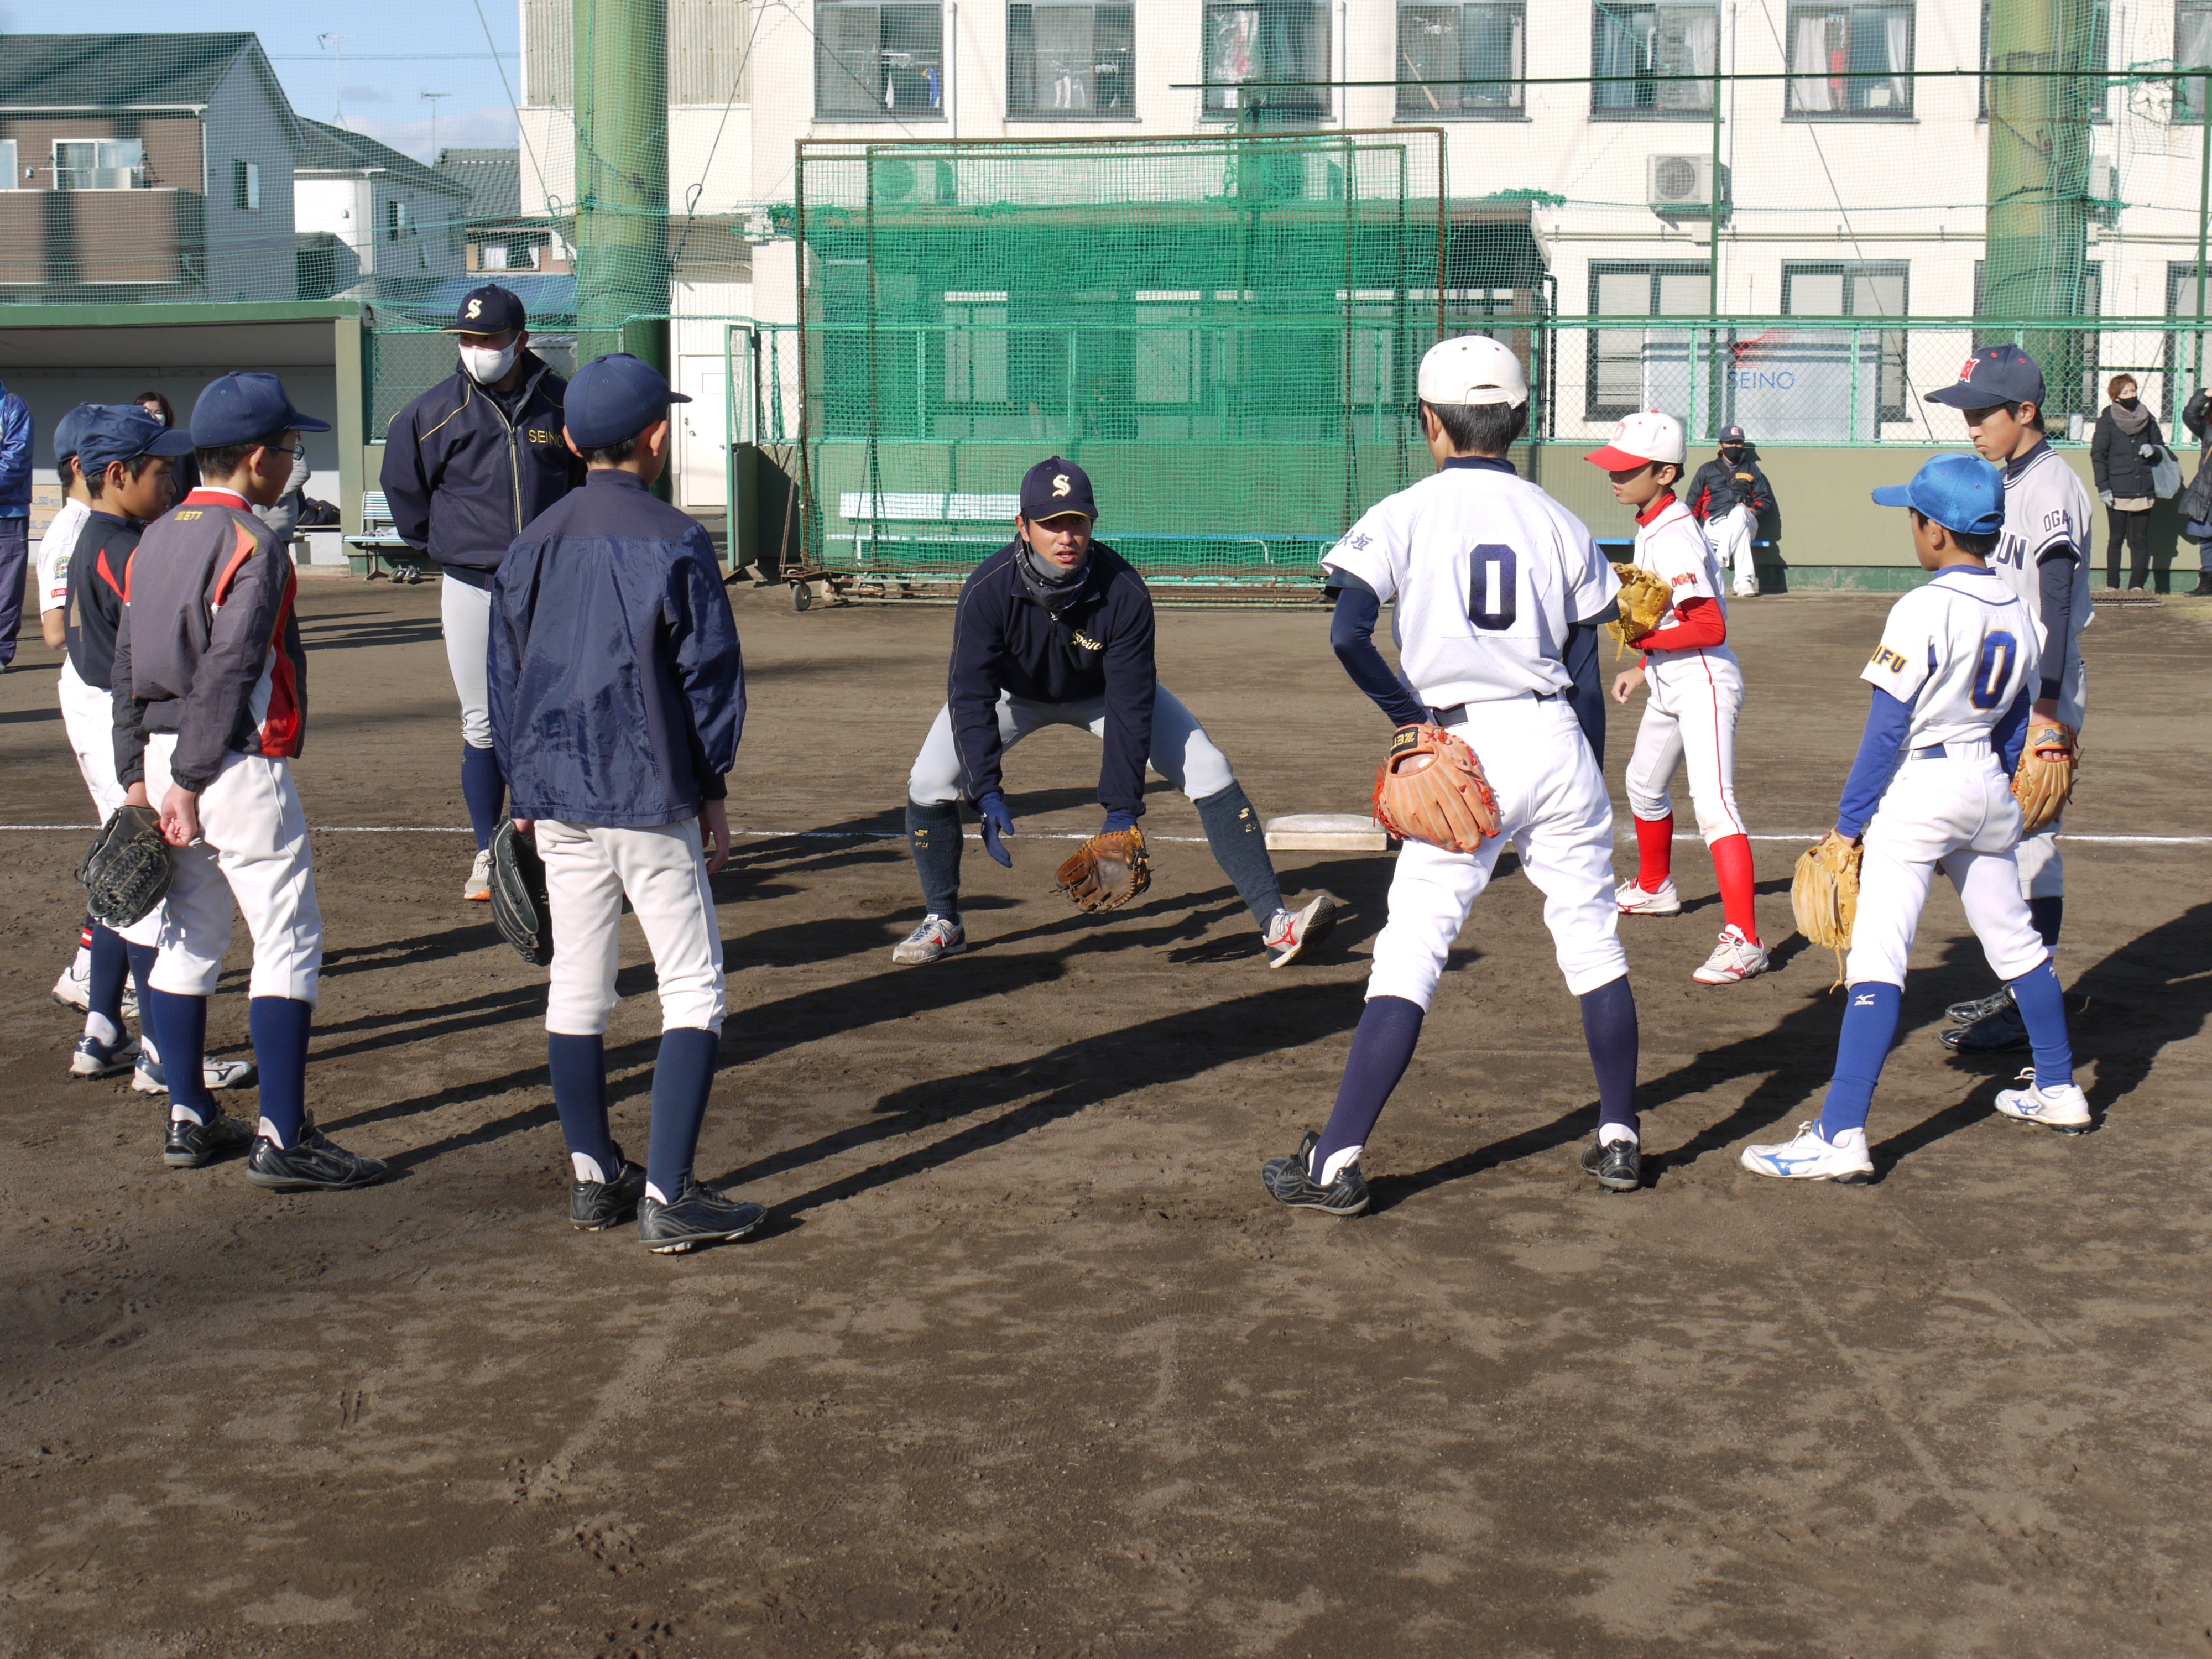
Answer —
1118 821
997 822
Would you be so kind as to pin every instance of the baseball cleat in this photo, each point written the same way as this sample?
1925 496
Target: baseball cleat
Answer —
94 1058
596 1205
1634 901
310 1163
937 936
694 1216
1615 1165
191 1145
2000 1033
478 888
71 992
1735 958
2062 1106
150 1079
1293 930
1980 1008
1289 1180
1809 1158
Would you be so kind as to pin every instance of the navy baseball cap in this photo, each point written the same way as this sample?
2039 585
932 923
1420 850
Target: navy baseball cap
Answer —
614 397
123 431
1733 434
490 309
1054 486
1995 375
65 431
244 409
1959 492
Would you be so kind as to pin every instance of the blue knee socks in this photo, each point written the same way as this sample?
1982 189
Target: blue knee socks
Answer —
1609 1029
111 966
1870 1030
484 787
579 1064
1239 844
932 835
142 958
1381 1048
280 1026
682 1077
181 1035
2043 1011
2046 914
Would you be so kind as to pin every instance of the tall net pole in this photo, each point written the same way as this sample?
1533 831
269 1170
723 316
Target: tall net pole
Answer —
622 179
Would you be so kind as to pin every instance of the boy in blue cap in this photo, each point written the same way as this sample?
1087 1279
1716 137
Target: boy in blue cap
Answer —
616 697
1952 678
211 706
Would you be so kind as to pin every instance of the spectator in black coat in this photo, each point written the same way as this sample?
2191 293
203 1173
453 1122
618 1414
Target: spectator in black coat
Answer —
2127 444
2196 500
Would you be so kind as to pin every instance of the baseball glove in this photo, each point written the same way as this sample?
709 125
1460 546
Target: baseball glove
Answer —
1824 895
1643 602
2044 781
518 906
1430 787
1107 871
127 872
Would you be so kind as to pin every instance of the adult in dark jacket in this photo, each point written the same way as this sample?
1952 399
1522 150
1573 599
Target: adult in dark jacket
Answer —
2126 446
466 465
1729 497
1056 629
188 471
17 433
2196 500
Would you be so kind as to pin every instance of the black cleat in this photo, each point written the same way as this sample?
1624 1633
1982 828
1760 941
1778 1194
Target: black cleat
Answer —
195 1146
1289 1180
1615 1165
596 1205
694 1216
1970 1013
2000 1033
313 1164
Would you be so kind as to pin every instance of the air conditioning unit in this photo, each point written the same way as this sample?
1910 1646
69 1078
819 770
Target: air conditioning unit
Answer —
1681 187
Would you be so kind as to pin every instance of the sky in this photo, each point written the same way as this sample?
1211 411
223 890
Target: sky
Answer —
395 51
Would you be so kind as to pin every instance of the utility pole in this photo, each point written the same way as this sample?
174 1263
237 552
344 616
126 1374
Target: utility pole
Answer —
336 43
431 99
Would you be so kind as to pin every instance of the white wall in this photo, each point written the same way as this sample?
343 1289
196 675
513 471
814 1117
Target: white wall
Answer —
339 206
250 256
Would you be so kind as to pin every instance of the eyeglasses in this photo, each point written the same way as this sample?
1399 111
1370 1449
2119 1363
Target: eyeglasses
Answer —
298 454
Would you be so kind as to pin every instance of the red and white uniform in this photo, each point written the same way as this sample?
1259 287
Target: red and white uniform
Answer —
1694 686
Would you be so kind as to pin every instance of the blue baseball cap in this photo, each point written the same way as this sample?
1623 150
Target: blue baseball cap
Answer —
1733 434
1959 492
243 408
123 431
1054 486
490 309
1995 375
65 431
614 397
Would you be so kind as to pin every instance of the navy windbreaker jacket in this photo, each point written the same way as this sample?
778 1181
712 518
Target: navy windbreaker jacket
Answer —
1096 641
617 691
462 476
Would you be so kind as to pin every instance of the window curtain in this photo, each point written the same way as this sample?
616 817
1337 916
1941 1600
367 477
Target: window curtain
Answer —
1897 37
1701 44
1619 52
1809 92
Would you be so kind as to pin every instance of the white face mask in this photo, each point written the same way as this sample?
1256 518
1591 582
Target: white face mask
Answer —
485 366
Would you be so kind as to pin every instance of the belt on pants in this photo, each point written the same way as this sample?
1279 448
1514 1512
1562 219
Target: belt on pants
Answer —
1975 750
1456 714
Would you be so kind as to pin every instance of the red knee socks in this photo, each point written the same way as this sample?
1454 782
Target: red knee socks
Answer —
1655 852
1732 864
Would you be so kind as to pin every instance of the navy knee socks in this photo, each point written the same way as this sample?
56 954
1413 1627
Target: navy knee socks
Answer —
579 1064
484 787
1239 844
111 966
1609 1029
682 1077
179 1025
2046 914
1381 1048
932 835
280 1026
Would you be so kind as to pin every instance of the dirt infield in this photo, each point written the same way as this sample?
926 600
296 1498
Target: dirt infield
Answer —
1027 1363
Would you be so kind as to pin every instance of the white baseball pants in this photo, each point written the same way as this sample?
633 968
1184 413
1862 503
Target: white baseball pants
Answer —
1957 814
2042 867
88 718
251 858
1182 752
464 617
589 870
1690 713
1553 807
1730 535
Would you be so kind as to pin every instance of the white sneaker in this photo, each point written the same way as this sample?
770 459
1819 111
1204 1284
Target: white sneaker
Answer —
150 1079
1734 959
936 937
1808 1157
1746 593
479 883
2062 1107
74 992
1293 931
1635 901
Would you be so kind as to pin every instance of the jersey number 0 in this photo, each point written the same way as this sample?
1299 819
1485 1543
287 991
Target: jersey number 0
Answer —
1492 607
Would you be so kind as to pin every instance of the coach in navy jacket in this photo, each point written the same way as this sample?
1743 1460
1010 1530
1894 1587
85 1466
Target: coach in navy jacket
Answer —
617 691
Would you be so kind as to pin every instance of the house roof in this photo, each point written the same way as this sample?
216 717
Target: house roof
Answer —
124 71
493 179
325 149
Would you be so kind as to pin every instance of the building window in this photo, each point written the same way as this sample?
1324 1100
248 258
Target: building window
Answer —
975 347
1851 61
395 220
2192 50
1622 359
1070 61
1481 48
2091 90
245 186
1853 289
878 63
100 164
1268 40
11 176
1639 46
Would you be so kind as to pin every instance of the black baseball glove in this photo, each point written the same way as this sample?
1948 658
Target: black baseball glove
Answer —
518 894
127 872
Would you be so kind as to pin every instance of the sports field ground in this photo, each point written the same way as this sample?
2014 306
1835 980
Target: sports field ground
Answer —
1025 1362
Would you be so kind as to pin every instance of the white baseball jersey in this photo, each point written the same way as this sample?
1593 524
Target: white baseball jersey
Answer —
54 549
2046 502
1957 652
1672 547
1487 573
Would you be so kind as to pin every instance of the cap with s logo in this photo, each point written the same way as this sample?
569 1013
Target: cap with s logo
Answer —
490 309
1054 486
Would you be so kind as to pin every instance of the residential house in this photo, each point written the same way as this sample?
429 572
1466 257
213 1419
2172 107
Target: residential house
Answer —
372 217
